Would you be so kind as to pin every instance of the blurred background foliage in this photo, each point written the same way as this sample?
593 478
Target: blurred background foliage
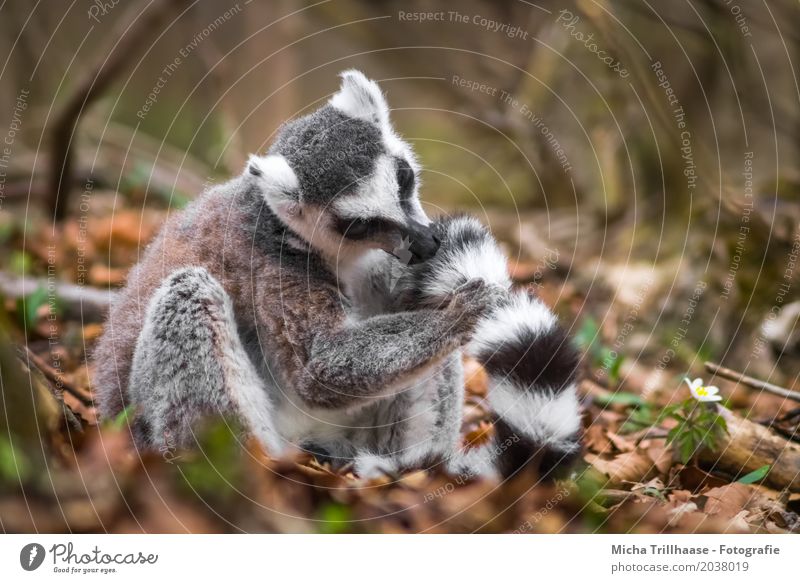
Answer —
623 198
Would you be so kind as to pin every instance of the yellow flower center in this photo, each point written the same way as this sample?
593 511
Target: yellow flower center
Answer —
702 391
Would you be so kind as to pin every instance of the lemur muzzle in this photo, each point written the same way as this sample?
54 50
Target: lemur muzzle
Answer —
424 244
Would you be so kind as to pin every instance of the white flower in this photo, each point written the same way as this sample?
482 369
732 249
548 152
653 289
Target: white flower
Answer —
702 393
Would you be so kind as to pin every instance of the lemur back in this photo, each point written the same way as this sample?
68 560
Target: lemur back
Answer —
313 298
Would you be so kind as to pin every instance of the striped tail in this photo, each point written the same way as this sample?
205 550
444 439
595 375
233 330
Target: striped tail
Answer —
530 361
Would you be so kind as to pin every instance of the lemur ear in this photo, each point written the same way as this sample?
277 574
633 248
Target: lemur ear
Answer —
278 182
361 98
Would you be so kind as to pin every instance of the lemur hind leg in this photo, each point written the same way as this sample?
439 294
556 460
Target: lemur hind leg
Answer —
189 363
419 427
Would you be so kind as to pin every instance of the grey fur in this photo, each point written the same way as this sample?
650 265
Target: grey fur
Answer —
235 309
189 363
329 152
178 345
367 359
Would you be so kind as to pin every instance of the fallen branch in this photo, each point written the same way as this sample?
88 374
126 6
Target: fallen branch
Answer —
749 446
79 302
751 382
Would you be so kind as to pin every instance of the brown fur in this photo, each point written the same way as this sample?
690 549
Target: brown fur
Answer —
209 234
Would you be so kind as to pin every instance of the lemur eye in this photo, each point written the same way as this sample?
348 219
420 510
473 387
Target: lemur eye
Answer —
357 229
405 178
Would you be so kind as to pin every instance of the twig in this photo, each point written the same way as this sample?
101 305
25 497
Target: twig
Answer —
611 497
751 382
649 433
55 377
89 304
43 379
789 416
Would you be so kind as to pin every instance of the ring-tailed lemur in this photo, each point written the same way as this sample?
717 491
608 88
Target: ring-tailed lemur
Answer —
272 297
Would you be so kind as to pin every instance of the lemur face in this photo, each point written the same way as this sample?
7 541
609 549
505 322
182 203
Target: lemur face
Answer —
344 181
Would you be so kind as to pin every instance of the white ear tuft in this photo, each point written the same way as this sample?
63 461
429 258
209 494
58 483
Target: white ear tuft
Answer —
361 98
274 173
278 183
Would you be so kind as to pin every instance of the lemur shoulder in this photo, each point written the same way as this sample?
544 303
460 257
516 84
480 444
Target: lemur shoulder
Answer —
277 297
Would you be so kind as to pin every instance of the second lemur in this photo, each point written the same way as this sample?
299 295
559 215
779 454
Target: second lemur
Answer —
313 298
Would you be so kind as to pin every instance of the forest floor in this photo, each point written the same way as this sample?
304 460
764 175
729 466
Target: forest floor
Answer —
643 469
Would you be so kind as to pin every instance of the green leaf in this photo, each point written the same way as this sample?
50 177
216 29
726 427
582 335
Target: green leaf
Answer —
216 470
20 262
755 475
335 518
667 412
616 365
673 434
6 230
687 450
28 307
587 334
713 443
178 200
620 398
14 465
640 417
123 418
654 493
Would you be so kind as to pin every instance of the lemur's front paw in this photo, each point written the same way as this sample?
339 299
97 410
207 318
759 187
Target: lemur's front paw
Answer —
471 301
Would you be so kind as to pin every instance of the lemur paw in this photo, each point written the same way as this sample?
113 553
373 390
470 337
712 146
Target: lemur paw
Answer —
472 301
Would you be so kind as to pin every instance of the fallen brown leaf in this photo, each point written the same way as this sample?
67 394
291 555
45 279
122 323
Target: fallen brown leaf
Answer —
634 466
621 443
731 499
476 381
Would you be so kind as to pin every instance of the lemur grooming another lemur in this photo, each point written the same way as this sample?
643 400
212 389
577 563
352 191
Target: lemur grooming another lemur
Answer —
275 297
